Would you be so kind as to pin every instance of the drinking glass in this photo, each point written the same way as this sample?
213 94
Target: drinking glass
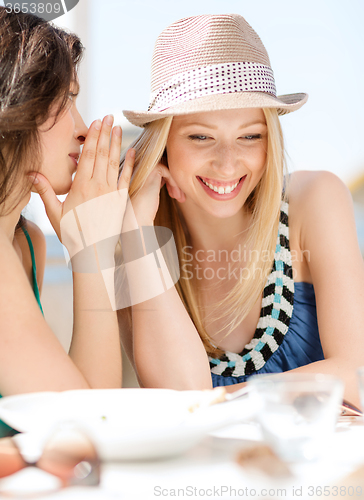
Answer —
298 412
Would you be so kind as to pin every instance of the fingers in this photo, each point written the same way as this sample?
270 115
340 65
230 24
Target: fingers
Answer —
145 202
87 160
101 157
127 171
100 172
114 157
52 205
160 176
154 181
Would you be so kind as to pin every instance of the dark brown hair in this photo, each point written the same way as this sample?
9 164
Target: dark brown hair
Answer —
38 64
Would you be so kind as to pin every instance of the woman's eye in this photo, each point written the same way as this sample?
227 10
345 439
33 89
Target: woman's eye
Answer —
252 137
72 96
198 137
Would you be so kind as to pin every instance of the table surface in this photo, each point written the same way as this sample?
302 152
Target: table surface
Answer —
210 470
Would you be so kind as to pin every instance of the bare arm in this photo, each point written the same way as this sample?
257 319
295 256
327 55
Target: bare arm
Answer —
168 351
95 346
321 209
31 358
91 306
163 344
336 266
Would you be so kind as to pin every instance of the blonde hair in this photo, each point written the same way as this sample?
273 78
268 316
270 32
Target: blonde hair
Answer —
263 203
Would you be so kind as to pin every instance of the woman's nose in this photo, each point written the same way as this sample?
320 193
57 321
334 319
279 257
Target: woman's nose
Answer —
80 127
226 160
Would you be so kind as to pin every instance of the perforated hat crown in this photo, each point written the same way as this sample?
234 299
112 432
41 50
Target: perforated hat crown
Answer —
211 62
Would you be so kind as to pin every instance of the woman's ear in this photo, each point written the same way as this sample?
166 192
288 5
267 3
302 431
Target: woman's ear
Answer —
164 159
175 192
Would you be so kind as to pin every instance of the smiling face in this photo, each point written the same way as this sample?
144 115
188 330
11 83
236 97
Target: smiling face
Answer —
217 158
60 144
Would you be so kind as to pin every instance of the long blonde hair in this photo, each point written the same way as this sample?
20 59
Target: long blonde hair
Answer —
263 203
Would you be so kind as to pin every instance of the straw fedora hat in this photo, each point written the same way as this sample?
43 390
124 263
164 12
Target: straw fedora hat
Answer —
207 63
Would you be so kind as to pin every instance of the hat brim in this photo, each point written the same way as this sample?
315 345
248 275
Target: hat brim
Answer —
216 102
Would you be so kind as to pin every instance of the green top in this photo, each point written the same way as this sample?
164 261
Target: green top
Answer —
5 430
34 269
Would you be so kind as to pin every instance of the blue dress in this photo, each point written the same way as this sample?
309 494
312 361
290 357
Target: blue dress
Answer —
287 333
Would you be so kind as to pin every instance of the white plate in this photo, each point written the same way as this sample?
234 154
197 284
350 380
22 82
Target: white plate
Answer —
126 424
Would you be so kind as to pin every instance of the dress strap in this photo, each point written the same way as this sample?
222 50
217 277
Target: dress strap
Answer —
34 268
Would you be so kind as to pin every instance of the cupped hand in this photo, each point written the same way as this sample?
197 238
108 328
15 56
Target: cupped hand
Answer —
96 176
146 201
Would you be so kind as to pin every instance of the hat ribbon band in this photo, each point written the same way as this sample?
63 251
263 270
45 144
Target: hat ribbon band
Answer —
217 79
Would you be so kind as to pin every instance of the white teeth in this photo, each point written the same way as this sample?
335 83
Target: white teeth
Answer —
220 189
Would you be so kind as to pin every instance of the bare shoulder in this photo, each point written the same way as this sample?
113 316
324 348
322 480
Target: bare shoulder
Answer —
314 190
36 235
317 196
39 243
321 216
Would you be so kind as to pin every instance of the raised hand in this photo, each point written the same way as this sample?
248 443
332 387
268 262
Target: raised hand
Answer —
97 175
146 202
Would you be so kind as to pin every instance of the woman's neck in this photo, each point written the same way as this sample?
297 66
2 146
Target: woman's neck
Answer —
9 221
212 233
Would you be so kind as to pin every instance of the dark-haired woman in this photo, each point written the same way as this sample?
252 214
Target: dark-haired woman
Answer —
41 133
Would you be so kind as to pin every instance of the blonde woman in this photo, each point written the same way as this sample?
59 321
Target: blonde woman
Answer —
271 276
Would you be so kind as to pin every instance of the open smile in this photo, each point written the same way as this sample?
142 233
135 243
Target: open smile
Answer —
221 190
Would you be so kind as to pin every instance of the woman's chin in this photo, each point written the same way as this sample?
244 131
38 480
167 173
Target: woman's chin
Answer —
221 211
62 189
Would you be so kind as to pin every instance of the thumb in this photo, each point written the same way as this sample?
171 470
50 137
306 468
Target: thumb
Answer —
52 204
